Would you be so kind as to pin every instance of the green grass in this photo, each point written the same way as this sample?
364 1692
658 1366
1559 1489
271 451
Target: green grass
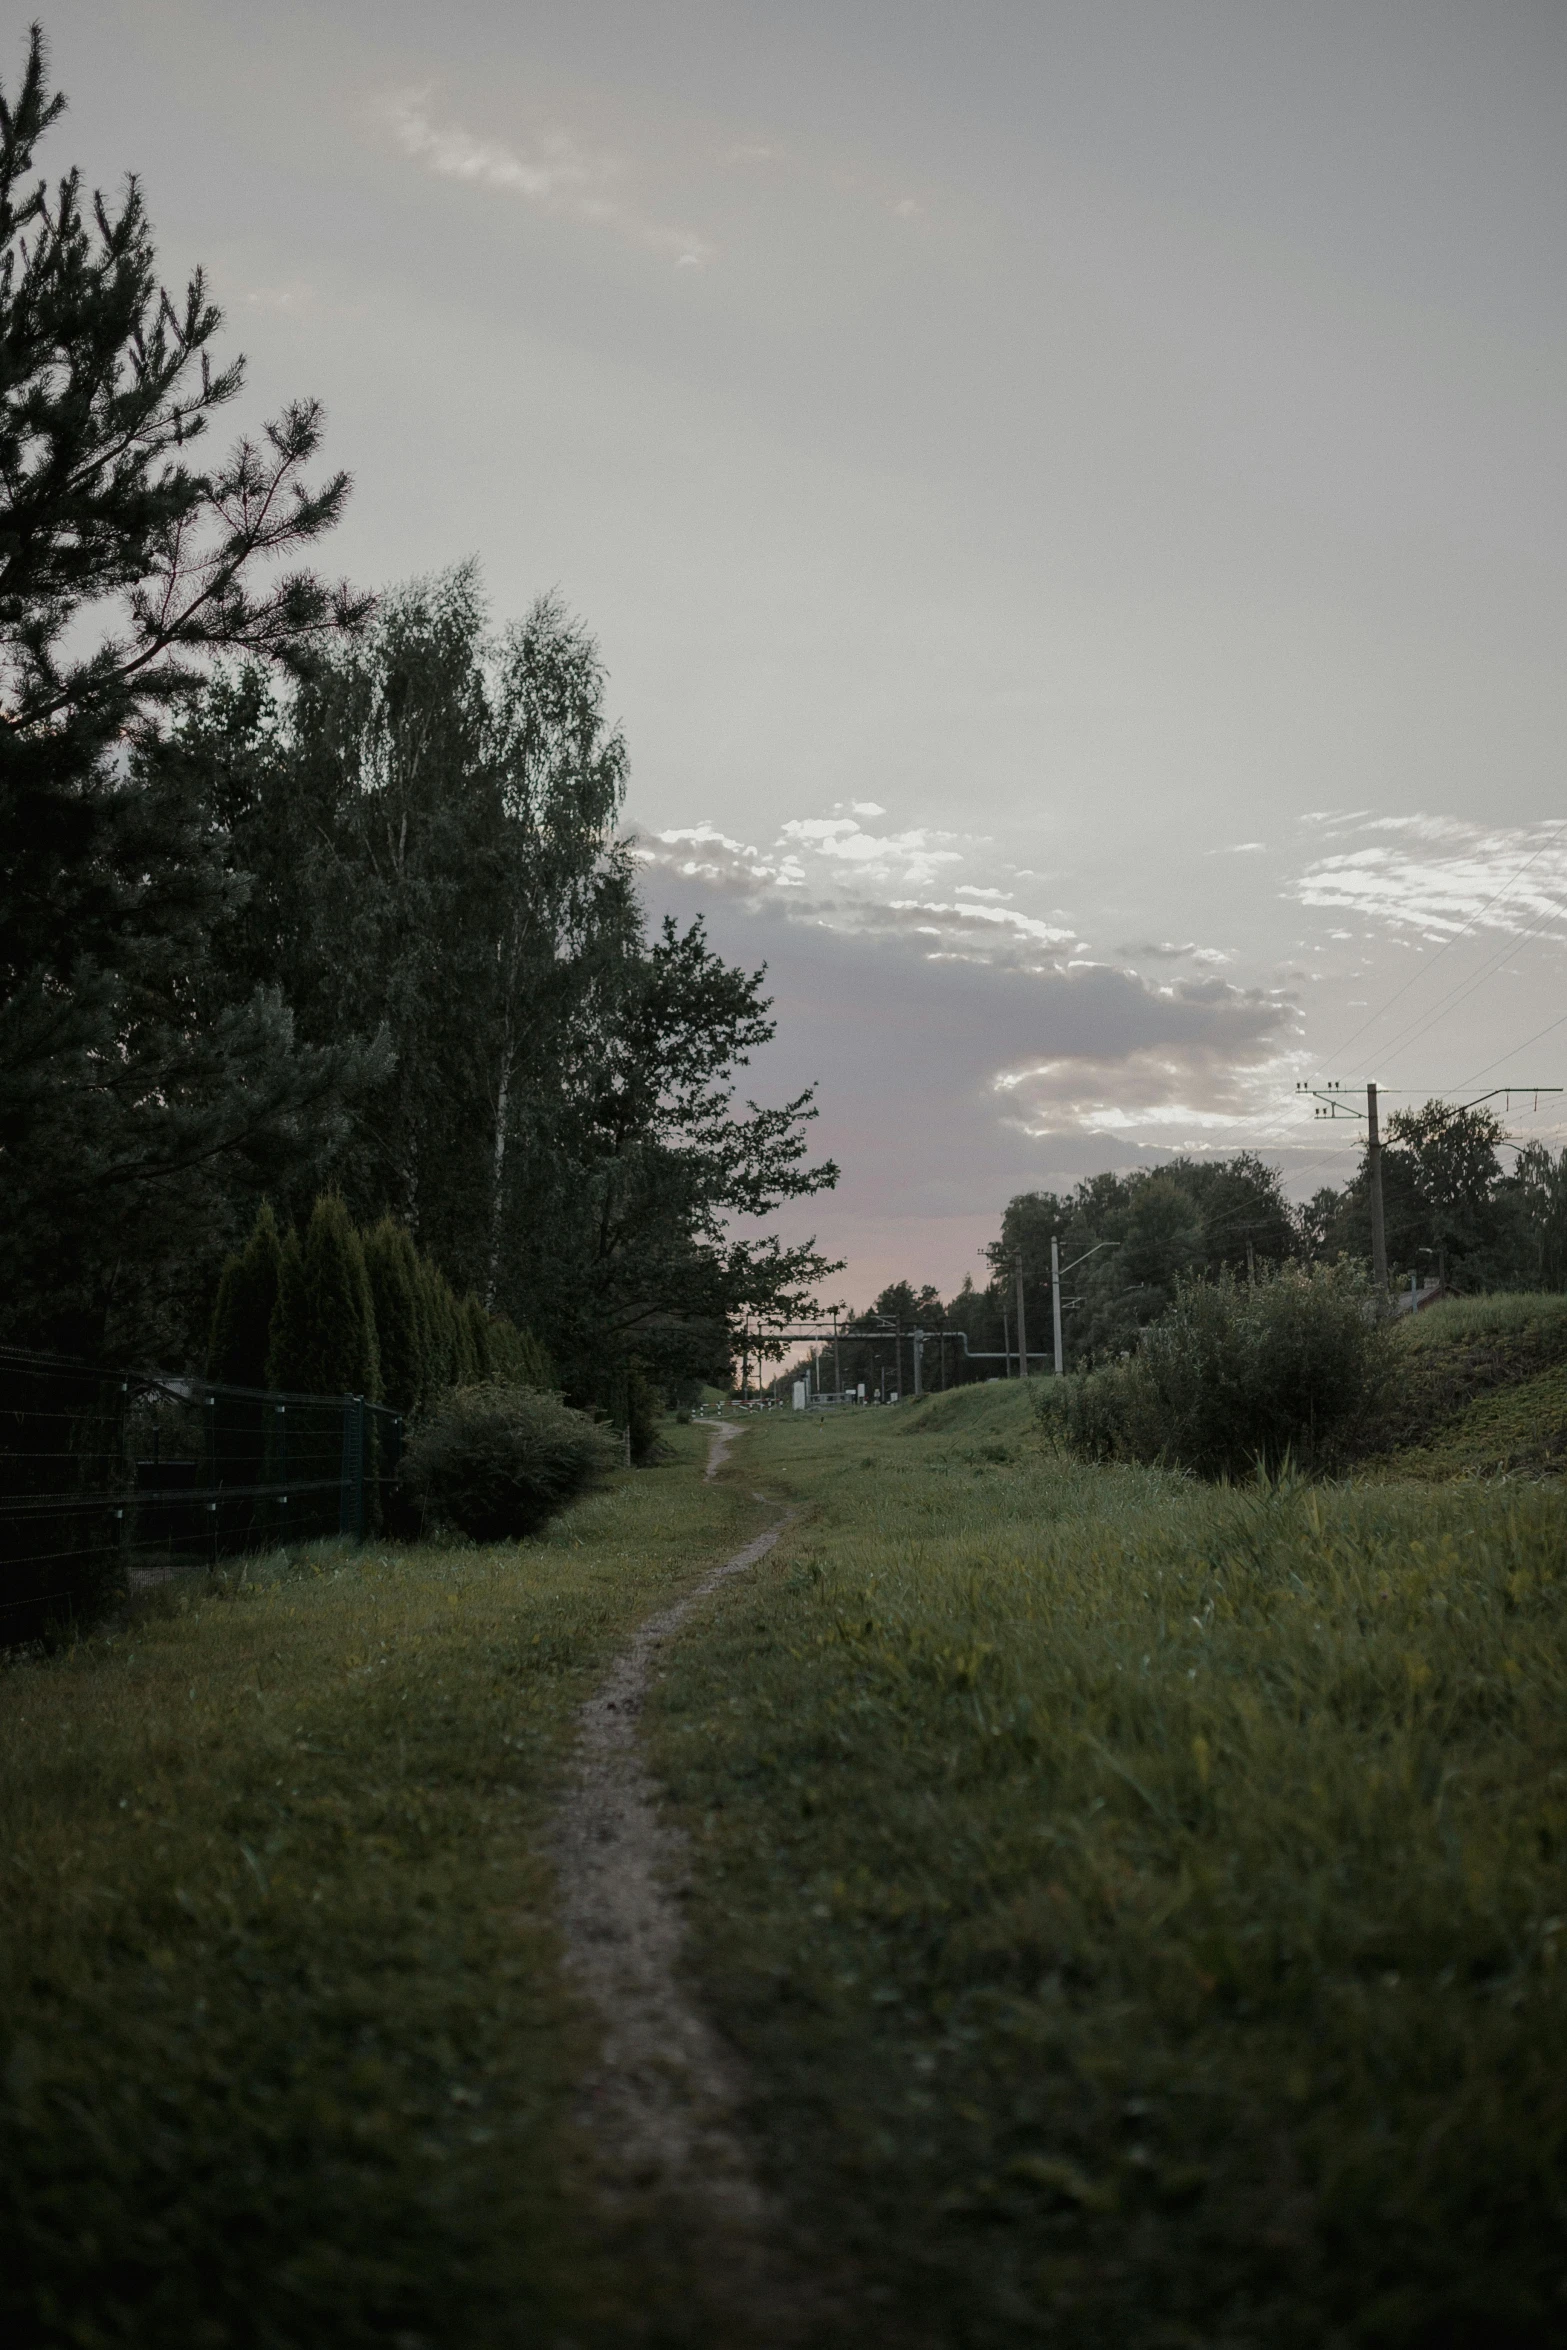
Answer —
1519 1429
1140 1904
1479 1388
1501 1315
287 2056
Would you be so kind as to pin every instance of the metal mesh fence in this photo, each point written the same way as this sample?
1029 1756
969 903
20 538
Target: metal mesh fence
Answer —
109 1475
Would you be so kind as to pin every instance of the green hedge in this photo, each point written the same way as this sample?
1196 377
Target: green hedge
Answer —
1235 1375
337 1311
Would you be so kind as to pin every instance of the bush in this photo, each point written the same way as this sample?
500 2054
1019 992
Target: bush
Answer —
644 1410
1236 1375
495 1462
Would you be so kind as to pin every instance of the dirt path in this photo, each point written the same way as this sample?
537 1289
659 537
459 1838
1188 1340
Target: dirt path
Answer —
663 2100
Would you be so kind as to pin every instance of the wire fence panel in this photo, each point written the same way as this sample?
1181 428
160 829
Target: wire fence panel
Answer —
112 1476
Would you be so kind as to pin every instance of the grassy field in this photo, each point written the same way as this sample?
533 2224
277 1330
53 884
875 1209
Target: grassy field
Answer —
1140 1905
287 2055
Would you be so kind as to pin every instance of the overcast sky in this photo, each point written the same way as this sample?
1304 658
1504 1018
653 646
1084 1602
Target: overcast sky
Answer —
1071 498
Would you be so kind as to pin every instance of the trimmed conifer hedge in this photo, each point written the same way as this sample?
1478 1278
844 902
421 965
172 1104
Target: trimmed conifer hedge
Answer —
339 1312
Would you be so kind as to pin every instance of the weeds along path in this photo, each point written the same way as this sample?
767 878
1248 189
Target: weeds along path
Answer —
663 2101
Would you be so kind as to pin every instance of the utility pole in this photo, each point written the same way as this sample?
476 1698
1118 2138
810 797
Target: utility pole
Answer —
1331 1103
1374 1185
837 1359
917 1346
1055 1297
1022 1319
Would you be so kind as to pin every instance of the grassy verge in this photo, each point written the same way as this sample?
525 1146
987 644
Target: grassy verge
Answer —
1480 1386
287 2057
1140 1905
1516 1430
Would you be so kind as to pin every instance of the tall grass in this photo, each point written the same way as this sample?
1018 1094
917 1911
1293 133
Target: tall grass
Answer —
1141 1902
286 2055
1503 1314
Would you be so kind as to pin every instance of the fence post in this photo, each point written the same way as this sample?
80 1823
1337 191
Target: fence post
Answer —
351 1511
214 1478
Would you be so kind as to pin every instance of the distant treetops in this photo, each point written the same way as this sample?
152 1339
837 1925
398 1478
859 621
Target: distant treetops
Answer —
337 1311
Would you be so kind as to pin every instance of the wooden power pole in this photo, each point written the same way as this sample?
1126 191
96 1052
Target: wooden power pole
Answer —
1374 1186
1055 1297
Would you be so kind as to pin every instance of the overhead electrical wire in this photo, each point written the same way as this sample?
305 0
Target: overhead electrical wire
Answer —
1461 991
1479 915
1548 1030
1458 993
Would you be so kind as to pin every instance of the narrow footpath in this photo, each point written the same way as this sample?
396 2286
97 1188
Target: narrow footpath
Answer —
663 2102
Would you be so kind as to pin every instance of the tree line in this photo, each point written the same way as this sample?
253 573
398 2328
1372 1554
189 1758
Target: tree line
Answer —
305 891
1456 1211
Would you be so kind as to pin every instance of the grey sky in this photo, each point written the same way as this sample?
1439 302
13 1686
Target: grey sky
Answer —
1071 498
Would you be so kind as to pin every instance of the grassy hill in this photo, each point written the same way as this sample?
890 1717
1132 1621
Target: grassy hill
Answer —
1480 1388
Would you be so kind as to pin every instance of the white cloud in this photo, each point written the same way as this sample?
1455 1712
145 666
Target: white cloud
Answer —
908 856
1023 925
843 876
1441 876
282 299
1169 951
556 175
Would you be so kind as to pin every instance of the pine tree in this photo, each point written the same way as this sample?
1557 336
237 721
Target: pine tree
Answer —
247 1299
323 1331
128 1089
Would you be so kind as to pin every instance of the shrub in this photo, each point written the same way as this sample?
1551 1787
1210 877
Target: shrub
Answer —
495 1462
1089 1412
644 1410
1238 1374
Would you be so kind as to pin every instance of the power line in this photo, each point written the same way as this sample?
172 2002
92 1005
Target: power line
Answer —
1460 992
1548 1030
1506 889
